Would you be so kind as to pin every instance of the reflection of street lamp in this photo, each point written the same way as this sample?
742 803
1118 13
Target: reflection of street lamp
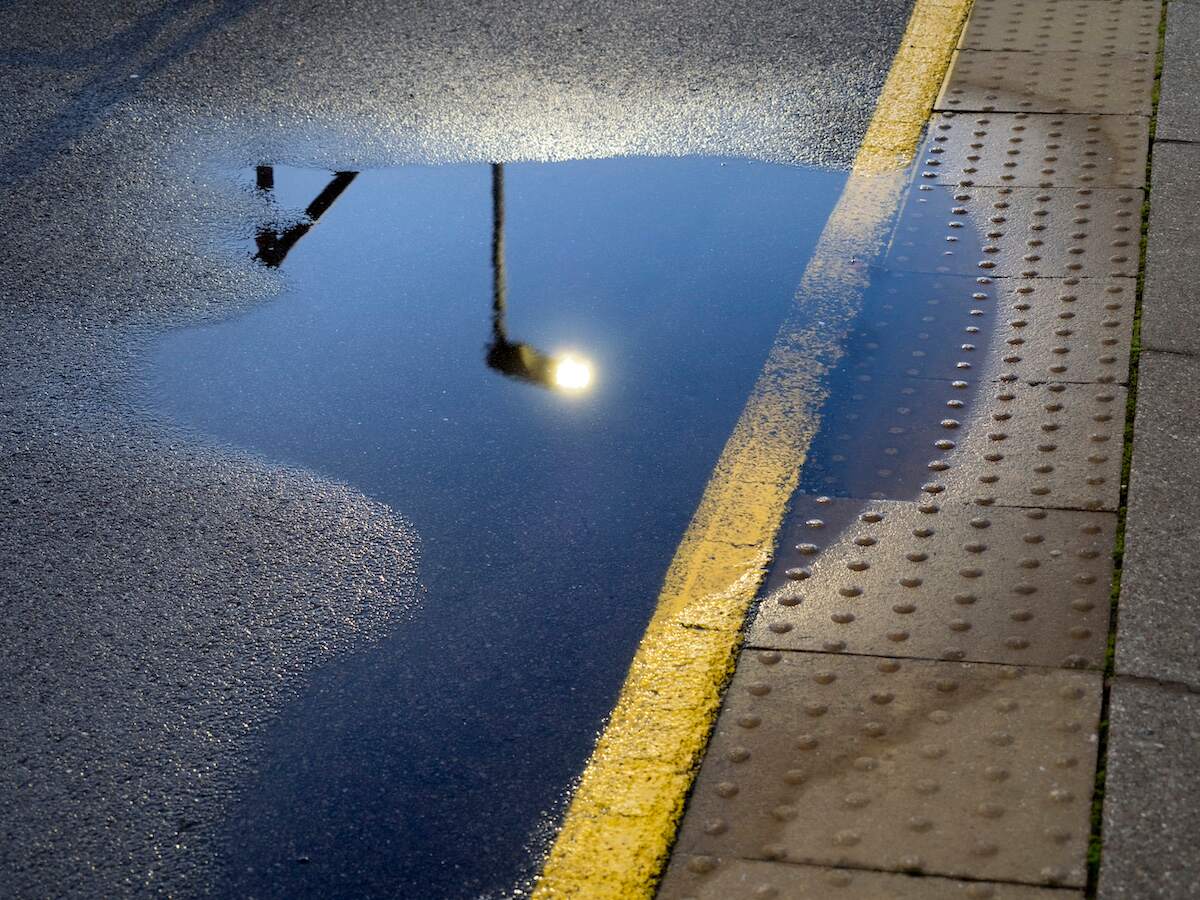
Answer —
563 371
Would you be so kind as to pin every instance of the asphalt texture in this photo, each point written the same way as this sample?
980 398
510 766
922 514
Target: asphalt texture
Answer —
165 599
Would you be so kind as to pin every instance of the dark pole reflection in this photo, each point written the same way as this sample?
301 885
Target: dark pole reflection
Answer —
517 360
499 284
264 177
274 246
514 358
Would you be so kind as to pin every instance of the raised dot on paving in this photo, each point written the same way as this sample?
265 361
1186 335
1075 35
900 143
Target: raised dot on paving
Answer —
940 768
885 578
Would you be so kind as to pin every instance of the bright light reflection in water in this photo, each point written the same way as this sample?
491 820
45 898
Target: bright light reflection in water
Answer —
571 373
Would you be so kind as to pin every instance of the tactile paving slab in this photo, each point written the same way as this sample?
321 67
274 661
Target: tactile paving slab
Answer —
954 582
1051 445
933 234
1048 82
955 769
1055 446
1027 232
941 327
874 441
1033 150
711 878
1098 26
921 325
1073 329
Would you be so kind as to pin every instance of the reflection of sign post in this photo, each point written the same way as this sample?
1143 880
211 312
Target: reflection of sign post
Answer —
565 371
273 246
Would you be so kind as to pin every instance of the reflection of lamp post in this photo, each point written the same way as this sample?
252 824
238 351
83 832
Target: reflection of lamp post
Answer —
564 371
273 246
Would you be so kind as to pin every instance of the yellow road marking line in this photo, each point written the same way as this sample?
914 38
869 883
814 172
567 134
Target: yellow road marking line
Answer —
622 818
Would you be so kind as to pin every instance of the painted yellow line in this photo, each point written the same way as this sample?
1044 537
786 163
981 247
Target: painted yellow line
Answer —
622 818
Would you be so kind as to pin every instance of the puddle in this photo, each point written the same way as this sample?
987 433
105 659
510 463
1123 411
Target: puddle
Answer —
548 434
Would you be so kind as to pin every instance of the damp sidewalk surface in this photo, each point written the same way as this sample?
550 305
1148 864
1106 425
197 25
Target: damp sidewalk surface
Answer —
1152 802
919 705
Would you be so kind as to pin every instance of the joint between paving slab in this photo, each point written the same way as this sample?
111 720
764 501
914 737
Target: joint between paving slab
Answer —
1028 50
1148 350
1095 510
1165 684
1000 110
858 654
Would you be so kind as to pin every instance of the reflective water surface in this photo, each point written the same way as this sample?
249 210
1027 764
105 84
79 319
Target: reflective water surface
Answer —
538 366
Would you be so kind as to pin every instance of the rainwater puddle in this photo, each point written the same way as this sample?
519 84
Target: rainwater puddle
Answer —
548 434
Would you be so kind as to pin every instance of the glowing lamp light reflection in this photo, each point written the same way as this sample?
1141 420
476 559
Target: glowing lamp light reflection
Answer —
571 373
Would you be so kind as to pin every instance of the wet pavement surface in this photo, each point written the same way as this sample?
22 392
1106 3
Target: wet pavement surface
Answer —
250 651
174 597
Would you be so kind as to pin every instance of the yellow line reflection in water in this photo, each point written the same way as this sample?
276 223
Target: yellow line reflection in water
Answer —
622 818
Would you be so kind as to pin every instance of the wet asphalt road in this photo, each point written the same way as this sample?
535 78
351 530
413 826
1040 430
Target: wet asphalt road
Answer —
164 600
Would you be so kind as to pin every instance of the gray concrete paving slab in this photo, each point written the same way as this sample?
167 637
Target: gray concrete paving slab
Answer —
902 766
1102 26
1009 586
1052 445
1159 629
1027 232
1071 329
1043 329
1152 795
1170 305
1049 445
713 878
1034 150
1179 99
1064 81
918 328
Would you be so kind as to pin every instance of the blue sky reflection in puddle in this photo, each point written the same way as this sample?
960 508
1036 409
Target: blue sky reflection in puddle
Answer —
547 518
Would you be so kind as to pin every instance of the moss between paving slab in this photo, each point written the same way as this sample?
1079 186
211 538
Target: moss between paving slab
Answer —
1096 840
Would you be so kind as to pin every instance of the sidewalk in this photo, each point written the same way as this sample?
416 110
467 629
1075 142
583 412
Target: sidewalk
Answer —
919 707
1152 791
